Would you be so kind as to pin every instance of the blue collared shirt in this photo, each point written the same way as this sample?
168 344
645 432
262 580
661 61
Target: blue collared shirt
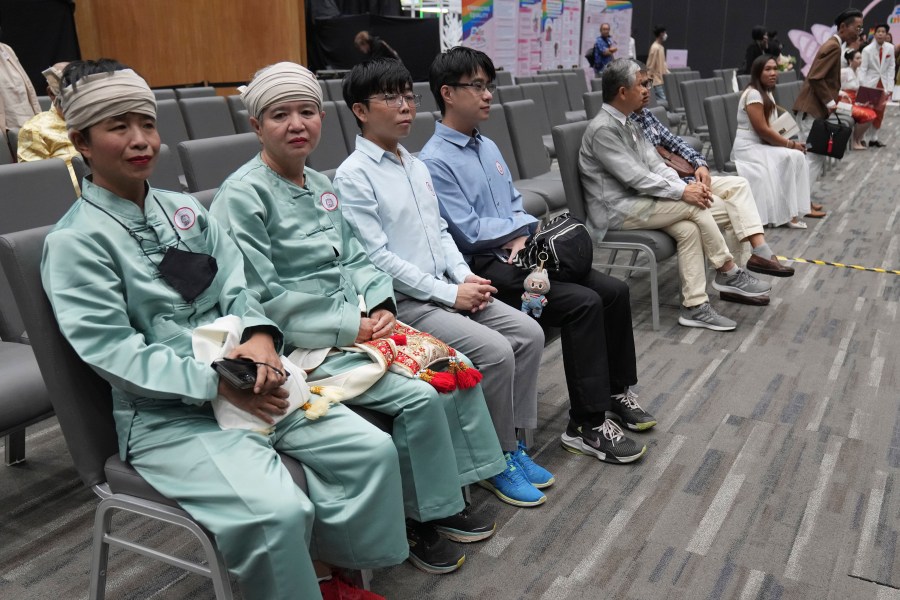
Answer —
600 46
475 191
659 135
391 204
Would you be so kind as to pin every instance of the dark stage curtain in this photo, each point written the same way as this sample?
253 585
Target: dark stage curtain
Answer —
41 32
330 44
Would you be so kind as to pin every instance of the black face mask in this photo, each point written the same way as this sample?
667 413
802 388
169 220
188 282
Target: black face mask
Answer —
189 273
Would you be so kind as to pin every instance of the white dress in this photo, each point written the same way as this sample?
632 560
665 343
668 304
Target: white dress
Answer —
779 177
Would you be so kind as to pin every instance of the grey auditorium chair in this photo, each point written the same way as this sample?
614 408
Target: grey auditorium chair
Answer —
728 77
335 89
12 138
171 127
428 103
530 156
508 93
653 245
194 92
34 194
786 93
592 103
208 162
44 102
721 114
693 93
242 122
504 78
535 93
332 149
788 76
534 196
206 117
672 82
661 115
83 405
164 94
7 154
346 121
743 81
421 131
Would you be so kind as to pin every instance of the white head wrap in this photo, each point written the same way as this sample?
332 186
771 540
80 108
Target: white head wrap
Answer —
102 95
281 82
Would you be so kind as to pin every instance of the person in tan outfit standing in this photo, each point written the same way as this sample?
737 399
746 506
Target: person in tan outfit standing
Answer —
18 101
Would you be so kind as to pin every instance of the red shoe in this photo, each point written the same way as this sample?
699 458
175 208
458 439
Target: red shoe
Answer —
338 589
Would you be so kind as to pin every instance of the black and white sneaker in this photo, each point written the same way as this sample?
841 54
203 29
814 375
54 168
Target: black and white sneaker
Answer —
429 551
465 527
607 442
629 412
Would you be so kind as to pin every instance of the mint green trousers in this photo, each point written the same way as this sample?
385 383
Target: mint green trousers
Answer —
233 483
444 441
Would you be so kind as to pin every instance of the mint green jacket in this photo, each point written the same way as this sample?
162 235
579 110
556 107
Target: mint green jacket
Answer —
300 255
120 317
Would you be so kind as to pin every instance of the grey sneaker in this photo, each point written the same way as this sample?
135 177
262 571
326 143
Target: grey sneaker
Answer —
742 283
705 316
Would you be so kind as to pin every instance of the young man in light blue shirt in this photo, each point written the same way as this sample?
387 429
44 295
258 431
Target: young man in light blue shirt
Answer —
485 216
390 201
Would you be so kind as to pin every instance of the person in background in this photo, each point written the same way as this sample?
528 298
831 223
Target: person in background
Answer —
757 47
632 46
822 87
373 46
389 200
604 49
877 71
862 115
775 166
18 101
44 135
129 280
656 61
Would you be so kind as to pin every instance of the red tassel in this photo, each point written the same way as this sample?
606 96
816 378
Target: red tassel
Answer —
399 339
467 377
442 382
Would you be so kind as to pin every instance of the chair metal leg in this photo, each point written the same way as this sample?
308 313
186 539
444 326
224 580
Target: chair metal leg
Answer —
654 293
214 569
15 447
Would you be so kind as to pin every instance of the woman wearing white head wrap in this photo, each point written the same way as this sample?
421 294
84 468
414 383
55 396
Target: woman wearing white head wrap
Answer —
310 272
131 271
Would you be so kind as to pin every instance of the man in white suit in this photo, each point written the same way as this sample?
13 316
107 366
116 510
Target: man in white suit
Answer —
877 71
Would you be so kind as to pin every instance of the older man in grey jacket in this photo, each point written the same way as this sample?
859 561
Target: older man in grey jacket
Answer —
628 186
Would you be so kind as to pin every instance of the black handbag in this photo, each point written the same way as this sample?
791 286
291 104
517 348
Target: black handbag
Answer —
829 137
563 246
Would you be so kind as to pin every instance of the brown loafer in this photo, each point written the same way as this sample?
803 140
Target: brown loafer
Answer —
816 206
816 214
751 300
772 267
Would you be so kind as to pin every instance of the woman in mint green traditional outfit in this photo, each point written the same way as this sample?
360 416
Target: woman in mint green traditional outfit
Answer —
310 272
131 271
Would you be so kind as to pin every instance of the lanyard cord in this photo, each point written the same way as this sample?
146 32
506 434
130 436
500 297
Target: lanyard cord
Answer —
134 235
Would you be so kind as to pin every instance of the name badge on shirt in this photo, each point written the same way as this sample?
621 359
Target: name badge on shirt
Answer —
184 218
499 167
329 201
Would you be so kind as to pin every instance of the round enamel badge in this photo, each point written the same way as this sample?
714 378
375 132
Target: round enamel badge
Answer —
499 167
184 218
329 201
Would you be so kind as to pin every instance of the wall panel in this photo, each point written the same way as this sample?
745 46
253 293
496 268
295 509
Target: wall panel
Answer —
174 42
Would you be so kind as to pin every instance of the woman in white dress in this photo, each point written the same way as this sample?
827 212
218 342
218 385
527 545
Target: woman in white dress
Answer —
775 166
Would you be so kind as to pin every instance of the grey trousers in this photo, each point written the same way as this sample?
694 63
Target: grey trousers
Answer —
503 343
816 162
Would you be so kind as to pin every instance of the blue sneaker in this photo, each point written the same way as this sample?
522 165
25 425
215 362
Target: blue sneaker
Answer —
535 473
512 487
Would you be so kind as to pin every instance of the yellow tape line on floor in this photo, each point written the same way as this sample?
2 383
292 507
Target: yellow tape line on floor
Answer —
825 263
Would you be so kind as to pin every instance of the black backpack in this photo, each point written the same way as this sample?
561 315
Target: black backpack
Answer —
589 55
563 245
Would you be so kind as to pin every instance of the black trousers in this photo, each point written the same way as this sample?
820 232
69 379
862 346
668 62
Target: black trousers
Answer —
594 315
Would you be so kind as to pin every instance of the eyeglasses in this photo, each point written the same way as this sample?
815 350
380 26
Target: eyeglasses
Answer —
397 100
646 84
478 86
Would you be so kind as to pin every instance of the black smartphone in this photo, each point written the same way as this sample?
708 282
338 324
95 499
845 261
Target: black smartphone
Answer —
238 372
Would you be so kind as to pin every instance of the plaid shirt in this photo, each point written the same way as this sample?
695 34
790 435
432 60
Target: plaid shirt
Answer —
659 135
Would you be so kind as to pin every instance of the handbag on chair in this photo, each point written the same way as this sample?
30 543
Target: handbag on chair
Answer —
829 137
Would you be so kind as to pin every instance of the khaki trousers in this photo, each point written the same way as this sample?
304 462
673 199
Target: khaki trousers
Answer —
696 233
734 211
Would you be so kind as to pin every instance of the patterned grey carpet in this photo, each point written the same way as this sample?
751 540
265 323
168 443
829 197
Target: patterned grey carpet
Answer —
772 474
